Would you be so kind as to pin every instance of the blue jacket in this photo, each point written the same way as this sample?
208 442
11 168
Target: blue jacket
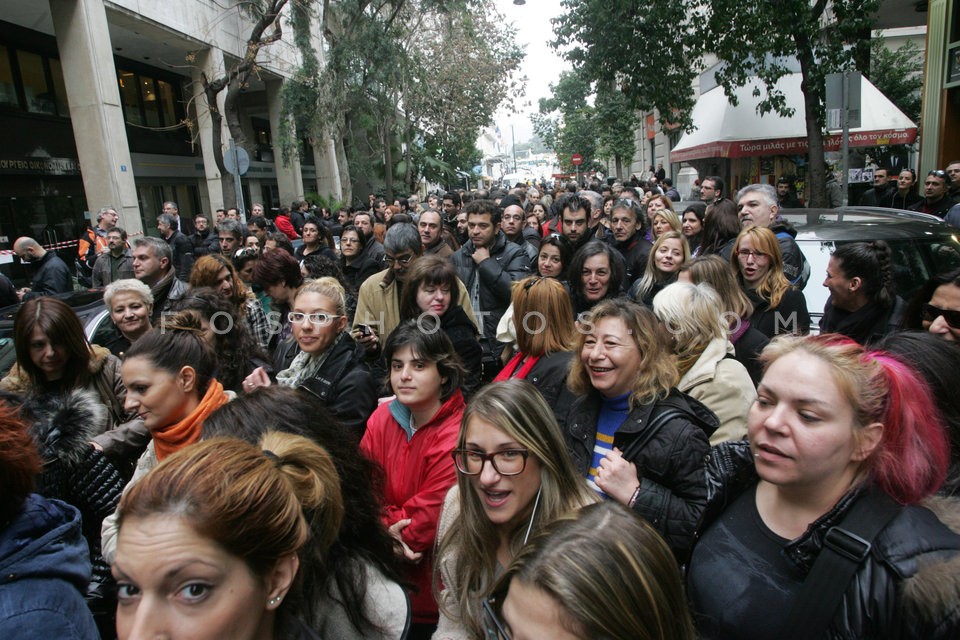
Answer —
44 572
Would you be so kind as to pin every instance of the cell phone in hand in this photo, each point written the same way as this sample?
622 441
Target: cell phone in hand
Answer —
365 329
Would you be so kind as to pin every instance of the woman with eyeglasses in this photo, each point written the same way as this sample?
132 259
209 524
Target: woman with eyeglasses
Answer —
778 307
514 477
218 273
574 582
359 258
412 437
323 358
669 253
905 195
863 304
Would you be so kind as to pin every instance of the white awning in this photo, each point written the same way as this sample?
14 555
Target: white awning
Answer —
727 131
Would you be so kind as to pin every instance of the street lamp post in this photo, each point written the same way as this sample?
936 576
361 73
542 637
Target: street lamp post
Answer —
513 148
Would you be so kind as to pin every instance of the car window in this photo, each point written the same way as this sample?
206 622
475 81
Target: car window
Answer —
945 254
103 330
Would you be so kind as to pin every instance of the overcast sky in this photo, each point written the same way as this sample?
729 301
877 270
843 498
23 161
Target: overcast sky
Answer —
541 65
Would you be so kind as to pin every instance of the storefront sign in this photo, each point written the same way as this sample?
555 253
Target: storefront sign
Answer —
43 166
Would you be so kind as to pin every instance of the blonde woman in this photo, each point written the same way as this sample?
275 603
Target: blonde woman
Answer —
694 317
668 255
778 307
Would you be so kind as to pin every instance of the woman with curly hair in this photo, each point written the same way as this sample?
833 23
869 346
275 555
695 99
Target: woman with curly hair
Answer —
218 272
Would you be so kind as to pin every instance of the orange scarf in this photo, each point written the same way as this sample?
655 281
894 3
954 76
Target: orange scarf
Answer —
187 431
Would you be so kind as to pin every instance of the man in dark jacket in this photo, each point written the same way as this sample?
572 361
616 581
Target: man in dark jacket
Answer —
152 265
180 244
758 206
511 223
52 274
629 237
205 240
881 191
488 265
935 200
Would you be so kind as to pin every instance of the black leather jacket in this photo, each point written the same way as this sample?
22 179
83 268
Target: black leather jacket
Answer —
344 383
671 466
910 585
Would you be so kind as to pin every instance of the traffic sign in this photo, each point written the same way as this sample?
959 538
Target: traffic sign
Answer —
576 159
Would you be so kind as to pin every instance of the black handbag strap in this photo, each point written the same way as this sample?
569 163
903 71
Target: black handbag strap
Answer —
653 427
845 547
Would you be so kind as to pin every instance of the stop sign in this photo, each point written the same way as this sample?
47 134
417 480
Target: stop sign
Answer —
576 159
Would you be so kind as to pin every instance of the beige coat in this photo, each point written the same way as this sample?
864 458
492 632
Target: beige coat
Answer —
724 386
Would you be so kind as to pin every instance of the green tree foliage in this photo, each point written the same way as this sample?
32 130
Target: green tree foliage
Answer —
566 121
651 48
405 87
615 123
898 75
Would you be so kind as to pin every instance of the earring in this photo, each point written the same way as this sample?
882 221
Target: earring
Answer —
275 601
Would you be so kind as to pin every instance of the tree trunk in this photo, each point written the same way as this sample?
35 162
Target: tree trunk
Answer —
812 95
618 160
343 166
388 158
408 159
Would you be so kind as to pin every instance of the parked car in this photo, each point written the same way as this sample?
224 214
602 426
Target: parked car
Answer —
921 245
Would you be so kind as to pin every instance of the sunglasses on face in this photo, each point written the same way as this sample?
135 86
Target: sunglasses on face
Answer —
931 313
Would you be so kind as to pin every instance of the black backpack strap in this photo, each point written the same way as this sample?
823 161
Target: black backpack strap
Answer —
845 547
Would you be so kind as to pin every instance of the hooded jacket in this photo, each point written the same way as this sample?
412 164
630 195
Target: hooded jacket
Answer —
722 384
121 435
80 475
418 472
909 584
44 570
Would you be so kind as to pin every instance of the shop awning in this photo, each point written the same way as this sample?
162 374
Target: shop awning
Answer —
727 131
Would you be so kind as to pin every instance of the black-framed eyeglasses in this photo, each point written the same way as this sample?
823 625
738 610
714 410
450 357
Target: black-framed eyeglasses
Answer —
493 627
530 283
319 319
931 313
402 260
509 462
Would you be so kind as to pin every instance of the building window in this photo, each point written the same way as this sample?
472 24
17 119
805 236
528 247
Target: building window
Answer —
129 97
147 101
8 87
32 82
40 98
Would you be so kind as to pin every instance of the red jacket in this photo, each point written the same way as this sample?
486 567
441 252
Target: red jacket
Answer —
417 474
285 227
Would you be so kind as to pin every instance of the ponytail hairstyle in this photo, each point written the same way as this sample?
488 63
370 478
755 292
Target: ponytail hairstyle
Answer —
911 460
259 503
178 342
869 261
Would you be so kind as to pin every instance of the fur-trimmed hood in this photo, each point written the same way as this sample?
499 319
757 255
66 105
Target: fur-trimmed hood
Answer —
64 424
935 587
18 382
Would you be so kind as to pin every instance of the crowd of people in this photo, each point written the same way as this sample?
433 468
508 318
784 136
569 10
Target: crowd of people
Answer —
575 413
